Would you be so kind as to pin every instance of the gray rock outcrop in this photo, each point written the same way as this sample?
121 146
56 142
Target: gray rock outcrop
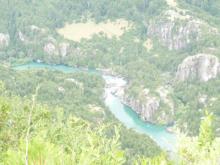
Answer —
145 108
4 40
64 48
202 67
37 29
174 35
50 49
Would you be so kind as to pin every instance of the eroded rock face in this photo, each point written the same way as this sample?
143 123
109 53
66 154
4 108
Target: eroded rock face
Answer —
23 38
164 96
50 48
203 99
175 35
4 40
202 67
37 29
146 109
34 28
64 49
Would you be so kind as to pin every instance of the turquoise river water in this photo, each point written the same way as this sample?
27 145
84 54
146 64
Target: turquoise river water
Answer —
123 113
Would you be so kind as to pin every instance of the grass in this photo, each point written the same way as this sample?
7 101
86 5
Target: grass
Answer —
78 31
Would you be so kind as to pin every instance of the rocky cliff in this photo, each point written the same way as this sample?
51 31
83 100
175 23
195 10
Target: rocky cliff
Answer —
64 48
176 28
52 48
147 109
4 40
152 108
202 67
145 106
174 35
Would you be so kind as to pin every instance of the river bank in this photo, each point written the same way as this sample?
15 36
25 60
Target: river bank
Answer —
123 113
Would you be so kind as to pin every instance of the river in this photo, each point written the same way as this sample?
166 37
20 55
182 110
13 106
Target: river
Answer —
123 113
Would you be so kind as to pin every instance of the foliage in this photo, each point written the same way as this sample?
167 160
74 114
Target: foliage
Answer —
211 6
79 105
159 160
54 139
189 108
200 150
127 56
206 132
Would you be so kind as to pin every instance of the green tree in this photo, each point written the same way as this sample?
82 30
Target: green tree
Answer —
158 160
2 87
206 134
201 150
12 25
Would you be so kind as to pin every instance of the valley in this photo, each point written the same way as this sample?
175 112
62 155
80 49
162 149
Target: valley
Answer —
135 81
122 112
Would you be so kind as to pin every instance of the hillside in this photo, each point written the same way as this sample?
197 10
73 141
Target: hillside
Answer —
32 133
167 51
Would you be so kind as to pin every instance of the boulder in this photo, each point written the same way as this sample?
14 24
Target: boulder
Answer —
202 67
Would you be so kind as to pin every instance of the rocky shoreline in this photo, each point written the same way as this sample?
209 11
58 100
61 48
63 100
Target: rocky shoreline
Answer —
117 86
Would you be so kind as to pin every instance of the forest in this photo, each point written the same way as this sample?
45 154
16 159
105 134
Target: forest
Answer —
58 118
35 133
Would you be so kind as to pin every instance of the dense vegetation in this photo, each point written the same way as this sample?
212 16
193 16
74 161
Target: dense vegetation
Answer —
58 91
144 69
52 138
187 95
63 99
210 6
36 134
69 91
